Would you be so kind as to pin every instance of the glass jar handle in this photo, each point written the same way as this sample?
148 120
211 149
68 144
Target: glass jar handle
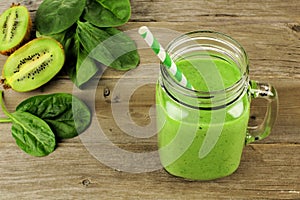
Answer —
268 92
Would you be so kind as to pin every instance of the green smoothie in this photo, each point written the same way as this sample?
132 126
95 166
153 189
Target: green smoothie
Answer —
201 144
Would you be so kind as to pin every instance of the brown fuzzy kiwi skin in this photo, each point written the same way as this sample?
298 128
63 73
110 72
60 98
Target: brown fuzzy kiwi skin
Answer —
2 82
26 38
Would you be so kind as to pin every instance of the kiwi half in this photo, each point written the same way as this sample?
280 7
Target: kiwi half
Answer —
33 65
15 26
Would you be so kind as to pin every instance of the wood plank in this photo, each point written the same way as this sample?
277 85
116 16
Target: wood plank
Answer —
66 175
193 10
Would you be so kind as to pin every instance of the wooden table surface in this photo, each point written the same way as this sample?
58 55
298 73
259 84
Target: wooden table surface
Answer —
80 168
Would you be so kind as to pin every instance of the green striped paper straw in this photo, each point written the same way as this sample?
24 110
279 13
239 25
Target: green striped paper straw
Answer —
163 56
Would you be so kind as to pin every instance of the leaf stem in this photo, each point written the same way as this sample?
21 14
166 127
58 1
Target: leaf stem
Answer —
2 105
5 120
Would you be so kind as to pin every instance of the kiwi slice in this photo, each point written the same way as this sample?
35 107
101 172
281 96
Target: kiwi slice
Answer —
33 65
15 26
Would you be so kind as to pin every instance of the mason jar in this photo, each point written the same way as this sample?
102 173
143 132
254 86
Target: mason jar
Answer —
202 130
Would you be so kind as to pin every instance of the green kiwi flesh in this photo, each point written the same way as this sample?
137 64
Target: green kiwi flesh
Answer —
15 26
33 65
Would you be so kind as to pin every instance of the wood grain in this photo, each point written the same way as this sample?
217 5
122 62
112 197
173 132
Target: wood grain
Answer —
270 169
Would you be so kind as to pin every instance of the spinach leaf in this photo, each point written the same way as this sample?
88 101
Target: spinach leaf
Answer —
107 13
56 16
65 38
32 134
86 42
108 46
85 68
67 115
121 47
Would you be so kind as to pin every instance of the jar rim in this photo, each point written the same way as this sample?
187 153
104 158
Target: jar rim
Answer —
220 44
189 35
